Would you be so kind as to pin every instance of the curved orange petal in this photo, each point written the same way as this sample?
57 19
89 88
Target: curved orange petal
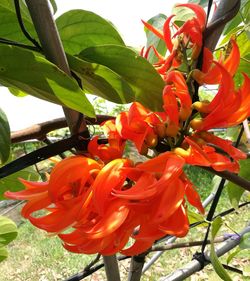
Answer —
167 33
114 217
193 196
232 62
156 31
138 247
177 224
36 204
110 177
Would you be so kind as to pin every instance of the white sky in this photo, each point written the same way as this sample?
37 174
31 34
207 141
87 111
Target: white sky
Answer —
125 15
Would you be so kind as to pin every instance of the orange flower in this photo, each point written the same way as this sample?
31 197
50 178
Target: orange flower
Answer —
115 146
211 72
191 31
228 108
134 125
180 89
200 151
64 195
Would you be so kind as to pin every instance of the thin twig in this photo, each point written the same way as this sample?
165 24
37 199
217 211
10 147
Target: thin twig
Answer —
13 43
186 244
245 184
195 265
25 32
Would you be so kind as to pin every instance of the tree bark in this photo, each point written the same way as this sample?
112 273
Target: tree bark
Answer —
226 10
53 50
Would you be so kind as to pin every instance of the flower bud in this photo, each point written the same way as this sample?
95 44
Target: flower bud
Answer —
202 106
181 152
196 124
151 140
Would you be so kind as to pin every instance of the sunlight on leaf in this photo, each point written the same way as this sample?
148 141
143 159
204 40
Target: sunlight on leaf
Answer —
12 183
80 29
141 76
47 81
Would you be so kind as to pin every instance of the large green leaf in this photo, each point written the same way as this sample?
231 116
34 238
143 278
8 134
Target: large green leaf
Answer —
8 231
102 81
152 40
3 254
243 246
135 70
218 267
182 14
12 183
33 74
4 137
80 29
244 44
53 5
234 191
10 28
241 19
199 2
245 241
195 217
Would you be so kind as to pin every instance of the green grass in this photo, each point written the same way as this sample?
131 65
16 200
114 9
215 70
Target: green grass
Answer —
37 257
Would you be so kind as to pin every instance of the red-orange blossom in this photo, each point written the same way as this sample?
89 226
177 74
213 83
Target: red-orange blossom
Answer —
99 204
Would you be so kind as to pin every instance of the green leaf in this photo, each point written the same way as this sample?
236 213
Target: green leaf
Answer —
202 3
232 255
4 137
216 225
33 74
194 217
244 66
3 254
232 24
231 33
152 40
10 28
8 231
245 241
101 81
219 269
146 83
17 92
244 245
12 183
80 29
234 191
54 5
182 14
244 44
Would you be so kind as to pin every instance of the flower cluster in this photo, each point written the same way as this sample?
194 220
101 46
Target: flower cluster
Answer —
104 203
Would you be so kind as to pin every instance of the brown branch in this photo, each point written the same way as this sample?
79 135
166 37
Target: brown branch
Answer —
50 40
185 244
39 131
234 178
224 13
